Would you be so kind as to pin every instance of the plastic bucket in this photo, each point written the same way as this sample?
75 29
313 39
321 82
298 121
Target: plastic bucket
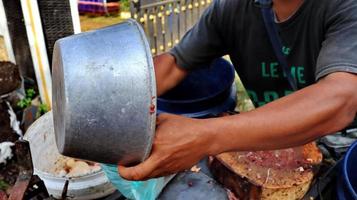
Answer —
203 93
45 156
347 182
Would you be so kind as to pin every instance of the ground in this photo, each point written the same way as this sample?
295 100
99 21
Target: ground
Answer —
3 54
95 22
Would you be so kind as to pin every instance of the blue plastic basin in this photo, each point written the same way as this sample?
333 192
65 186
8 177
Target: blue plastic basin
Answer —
347 182
203 93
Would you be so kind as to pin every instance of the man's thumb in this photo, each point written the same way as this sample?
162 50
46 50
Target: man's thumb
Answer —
139 172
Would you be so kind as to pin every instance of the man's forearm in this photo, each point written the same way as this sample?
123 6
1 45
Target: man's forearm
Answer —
296 119
168 74
299 118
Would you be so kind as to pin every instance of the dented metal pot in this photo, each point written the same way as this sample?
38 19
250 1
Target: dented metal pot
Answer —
104 95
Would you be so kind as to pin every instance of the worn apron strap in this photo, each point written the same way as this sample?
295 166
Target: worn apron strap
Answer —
268 16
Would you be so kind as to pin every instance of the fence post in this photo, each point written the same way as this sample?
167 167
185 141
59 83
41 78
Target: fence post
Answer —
166 21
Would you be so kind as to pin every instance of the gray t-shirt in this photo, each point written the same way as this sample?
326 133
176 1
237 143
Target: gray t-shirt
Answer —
320 38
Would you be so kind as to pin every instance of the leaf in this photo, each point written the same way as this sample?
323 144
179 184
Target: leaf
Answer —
42 109
30 93
3 185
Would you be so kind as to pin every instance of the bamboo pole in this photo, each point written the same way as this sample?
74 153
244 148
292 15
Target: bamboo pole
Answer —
38 49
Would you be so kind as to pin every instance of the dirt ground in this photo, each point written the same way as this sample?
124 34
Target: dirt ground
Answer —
3 53
95 22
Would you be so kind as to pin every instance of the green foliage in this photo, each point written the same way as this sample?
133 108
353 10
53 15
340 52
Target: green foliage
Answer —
30 93
3 185
124 5
42 109
26 102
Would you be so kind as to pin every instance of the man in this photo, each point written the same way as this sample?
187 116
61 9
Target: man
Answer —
320 43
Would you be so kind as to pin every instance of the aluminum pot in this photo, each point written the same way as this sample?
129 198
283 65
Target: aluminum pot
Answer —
104 101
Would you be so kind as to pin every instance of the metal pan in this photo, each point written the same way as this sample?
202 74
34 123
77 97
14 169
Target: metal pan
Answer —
104 95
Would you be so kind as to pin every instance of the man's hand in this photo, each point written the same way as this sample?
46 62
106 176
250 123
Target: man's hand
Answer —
296 119
179 144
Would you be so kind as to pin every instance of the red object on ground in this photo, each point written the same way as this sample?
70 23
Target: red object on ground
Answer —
97 7
3 195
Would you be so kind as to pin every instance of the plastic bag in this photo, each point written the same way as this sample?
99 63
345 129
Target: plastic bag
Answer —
137 190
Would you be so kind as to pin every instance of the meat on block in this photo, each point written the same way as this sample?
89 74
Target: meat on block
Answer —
268 175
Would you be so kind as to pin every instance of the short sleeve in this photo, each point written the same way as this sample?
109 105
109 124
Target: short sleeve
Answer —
203 42
339 49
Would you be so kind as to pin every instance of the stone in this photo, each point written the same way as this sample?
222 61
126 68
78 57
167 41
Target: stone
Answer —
10 78
6 132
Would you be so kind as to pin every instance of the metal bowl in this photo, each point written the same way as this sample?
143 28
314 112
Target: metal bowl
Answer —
104 95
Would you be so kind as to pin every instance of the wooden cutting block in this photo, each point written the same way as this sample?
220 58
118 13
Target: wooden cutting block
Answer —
268 175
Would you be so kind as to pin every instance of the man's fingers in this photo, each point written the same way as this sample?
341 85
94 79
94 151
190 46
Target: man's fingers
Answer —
138 172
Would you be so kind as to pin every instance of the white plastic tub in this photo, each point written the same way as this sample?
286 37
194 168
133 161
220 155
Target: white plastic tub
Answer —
45 155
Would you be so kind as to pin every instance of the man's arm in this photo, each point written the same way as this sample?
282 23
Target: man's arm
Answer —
317 110
325 107
168 74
